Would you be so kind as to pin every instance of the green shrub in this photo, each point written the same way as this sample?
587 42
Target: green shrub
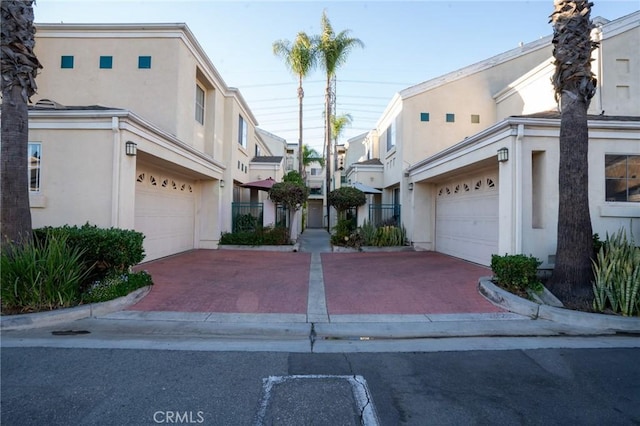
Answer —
342 232
44 275
276 236
616 271
517 272
263 236
116 285
346 197
106 250
245 223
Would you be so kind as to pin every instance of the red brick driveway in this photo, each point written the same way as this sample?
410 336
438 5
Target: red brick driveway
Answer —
244 281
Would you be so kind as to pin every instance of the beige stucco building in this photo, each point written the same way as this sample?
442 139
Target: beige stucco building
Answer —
107 88
437 143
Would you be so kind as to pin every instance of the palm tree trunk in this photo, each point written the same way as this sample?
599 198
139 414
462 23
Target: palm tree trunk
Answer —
19 70
16 214
574 85
300 97
572 274
327 136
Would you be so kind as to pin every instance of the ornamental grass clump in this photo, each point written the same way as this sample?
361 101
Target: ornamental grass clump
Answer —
616 271
43 275
382 236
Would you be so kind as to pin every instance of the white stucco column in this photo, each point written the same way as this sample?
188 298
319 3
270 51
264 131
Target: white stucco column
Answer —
268 213
506 201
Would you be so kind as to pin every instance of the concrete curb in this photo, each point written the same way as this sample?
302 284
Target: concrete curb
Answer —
43 319
513 303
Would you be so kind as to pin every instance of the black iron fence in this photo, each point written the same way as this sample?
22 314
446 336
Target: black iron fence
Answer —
246 216
384 214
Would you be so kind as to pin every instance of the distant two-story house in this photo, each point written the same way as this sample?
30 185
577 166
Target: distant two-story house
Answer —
470 159
133 127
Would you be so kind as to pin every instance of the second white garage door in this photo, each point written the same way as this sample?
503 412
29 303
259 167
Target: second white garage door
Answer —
164 213
467 218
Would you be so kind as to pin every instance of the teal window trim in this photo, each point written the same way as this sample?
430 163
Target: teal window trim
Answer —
424 116
144 62
66 61
106 62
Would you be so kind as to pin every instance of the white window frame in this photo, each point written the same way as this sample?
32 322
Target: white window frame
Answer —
391 137
200 101
242 132
626 178
34 171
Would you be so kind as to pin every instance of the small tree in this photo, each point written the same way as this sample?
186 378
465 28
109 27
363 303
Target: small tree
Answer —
291 194
293 177
342 199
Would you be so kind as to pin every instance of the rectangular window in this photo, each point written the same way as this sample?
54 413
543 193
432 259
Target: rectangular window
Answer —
475 118
424 116
66 62
242 132
144 62
106 62
391 137
451 118
622 66
538 172
199 104
258 152
34 156
622 178
623 92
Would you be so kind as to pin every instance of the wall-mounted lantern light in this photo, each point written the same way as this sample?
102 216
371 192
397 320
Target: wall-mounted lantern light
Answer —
503 155
131 148
221 183
410 186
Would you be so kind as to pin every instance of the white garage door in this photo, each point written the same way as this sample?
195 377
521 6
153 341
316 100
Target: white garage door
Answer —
164 213
467 218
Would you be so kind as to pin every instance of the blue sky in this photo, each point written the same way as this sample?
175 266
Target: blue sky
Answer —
406 42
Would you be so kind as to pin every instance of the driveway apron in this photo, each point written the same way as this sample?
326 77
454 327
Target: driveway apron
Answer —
228 281
258 282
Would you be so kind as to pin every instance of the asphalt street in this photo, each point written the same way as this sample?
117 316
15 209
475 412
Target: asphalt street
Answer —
65 386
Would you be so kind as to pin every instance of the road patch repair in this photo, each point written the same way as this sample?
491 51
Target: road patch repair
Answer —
316 399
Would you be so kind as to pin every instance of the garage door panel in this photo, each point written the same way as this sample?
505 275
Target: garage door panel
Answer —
467 218
165 214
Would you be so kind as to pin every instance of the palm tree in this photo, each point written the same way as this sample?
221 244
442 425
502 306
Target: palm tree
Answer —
300 58
19 69
333 50
338 124
310 155
574 85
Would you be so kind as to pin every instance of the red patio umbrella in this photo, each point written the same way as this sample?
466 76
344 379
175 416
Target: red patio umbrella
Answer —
262 185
